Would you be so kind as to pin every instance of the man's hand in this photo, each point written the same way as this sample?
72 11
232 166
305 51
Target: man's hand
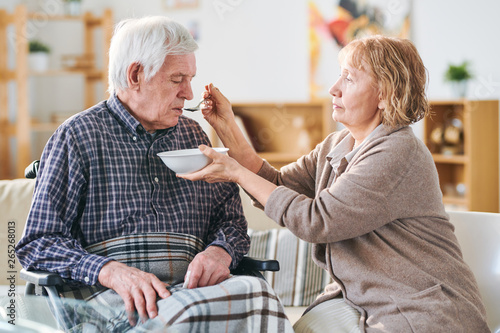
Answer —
209 267
138 289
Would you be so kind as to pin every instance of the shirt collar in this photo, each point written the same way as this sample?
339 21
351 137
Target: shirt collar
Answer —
350 155
344 148
119 111
116 107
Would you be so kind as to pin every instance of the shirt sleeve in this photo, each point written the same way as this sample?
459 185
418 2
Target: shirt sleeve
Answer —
52 239
228 227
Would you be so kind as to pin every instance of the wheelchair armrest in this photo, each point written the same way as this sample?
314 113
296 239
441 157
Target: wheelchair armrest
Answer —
42 283
260 264
253 267
41 278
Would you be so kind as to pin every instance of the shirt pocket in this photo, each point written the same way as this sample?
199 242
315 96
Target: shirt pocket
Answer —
430 310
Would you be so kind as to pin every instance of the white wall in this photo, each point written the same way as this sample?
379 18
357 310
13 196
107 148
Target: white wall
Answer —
252 50
257 50
447 31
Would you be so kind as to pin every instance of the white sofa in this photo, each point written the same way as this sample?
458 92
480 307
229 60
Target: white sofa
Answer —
299 280
15 201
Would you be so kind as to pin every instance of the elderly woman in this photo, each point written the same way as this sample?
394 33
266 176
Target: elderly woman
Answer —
367 197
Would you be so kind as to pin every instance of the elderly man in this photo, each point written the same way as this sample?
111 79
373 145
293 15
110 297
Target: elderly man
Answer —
105 208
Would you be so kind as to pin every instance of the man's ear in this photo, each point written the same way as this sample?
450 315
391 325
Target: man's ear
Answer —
133 76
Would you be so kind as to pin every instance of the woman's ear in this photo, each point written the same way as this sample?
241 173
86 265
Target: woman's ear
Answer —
381 101
382 104
133 75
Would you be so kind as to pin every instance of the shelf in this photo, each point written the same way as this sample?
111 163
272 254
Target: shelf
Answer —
9 129
448 102
451 159
458 201
90 73
19 141
468 127
44 17
279 158
87 17
60 72
282 132
8 75
44 126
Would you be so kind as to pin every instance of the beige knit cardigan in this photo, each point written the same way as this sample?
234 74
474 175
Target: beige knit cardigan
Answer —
381 231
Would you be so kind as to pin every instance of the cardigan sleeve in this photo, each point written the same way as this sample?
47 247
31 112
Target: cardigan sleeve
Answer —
357 202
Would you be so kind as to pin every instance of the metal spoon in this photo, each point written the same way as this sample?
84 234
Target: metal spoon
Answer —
195 108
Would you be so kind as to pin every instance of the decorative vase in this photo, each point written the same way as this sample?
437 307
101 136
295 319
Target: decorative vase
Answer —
38 61
459 88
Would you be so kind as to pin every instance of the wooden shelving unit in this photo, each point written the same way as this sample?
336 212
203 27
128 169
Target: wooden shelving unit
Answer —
17 132
282 132
468 170
468 167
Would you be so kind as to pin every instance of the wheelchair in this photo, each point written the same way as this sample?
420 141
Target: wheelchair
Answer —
42 283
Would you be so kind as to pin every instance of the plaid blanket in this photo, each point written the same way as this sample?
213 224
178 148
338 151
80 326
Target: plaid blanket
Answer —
165 254
239 304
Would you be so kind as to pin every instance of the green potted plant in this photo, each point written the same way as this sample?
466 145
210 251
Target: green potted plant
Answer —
458 76
38 56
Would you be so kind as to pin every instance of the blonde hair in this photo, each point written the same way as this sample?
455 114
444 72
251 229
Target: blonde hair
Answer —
397 68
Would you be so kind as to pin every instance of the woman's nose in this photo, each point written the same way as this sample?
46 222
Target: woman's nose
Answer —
335 89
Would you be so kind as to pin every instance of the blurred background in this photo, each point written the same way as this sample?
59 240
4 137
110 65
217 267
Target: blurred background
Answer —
255 51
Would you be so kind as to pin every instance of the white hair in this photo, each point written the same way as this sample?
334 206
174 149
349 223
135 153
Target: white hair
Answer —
146 41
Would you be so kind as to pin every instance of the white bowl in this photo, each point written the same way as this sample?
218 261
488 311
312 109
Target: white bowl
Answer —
187 160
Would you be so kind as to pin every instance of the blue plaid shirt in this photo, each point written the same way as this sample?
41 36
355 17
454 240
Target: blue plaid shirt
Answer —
100 178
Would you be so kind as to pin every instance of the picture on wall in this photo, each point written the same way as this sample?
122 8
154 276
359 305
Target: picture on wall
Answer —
333 24
179 4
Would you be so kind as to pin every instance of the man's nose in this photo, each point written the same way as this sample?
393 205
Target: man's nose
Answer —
186 91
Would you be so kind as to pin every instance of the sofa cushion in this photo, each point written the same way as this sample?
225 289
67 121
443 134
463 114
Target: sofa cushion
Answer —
15 202
299 280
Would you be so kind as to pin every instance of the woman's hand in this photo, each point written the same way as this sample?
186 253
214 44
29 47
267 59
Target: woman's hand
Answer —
222 169
226 169
216 109
218 112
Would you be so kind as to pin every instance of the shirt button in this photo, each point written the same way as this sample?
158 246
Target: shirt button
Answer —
87 279
134 138
157 180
